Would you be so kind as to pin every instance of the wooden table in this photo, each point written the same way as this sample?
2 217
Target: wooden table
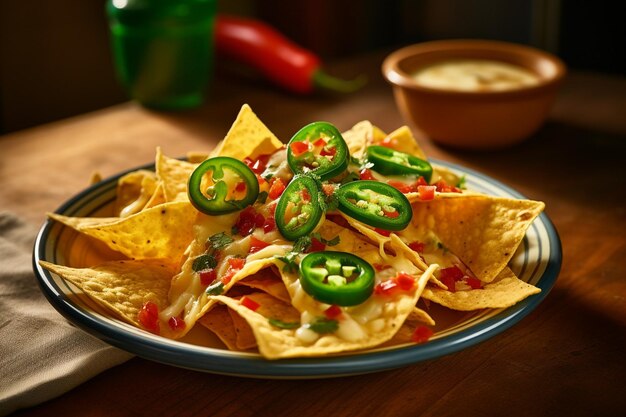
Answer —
566 358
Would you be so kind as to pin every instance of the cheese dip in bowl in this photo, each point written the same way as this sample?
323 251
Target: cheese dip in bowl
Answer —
474 94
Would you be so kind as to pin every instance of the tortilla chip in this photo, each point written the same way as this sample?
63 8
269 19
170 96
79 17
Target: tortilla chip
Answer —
158 197
504 291
174 174
219 321
195 157
275 343
247 137
244 337
162 232
483 231
359 137
268 282
121 286
134 190
404 141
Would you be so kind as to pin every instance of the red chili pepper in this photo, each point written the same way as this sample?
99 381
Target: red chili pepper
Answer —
283 62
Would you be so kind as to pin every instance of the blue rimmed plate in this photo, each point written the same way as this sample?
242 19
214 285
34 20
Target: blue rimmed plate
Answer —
537 261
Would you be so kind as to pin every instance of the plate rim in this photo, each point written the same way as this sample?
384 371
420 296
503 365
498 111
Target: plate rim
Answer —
220 361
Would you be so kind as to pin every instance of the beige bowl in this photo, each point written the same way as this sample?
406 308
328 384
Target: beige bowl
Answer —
474 119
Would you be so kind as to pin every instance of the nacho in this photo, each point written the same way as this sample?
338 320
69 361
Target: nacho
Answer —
241 273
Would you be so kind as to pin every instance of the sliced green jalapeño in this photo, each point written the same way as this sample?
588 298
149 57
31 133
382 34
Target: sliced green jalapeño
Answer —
375 203
298 211
318 148
339 278
387 161
222 185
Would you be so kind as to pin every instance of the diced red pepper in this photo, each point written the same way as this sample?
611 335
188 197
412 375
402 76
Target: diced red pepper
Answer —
240 187
256 244
319 143
298 148
420 181
443 187
366 174
385 287
259 220
454 272
383 232
208 276
249 303
400 186
277 188
176 323
422 334
426 192
148 317
391 214
257 165
417 246
333 311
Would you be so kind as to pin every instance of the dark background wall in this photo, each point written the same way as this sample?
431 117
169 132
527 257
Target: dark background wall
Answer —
55 59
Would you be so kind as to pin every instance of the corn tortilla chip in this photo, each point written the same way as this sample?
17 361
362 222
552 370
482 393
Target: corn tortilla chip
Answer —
504 291
134 190
174 174
162 232
219 321
121 286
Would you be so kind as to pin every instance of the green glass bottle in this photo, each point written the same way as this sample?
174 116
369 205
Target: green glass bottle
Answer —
163 49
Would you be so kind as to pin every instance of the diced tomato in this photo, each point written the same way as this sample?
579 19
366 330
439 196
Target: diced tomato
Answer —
269 225
333 311
298 148
420 181
417 246
247 221
422 334
389 142
328 189
277 188
306 197
176 323
148 317
400 186
366 174
401 282
316 246
319 143
257 165
391 214
234 266
443 187
240 187
453 272
449 282
259 220
426 192
338 220
474 283
383 232
207 276
249 303
405 281
256 244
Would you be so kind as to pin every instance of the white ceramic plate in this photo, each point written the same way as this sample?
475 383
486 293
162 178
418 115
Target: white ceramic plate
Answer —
537 261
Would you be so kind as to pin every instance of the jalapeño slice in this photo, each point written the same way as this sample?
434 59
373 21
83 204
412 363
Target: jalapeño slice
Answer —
298 211
222 185
376 204
318 148
387 161
339 278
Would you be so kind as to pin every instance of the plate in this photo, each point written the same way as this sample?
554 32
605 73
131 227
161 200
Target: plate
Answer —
537 261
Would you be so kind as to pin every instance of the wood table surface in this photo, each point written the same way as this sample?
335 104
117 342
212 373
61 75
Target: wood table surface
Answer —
567 358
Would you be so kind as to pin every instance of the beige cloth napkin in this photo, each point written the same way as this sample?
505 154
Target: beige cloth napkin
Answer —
41 354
